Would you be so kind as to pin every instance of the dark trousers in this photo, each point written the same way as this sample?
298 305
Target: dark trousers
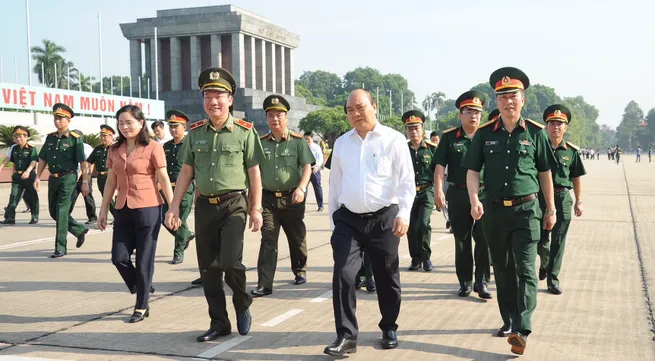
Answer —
183 233
374 234
366 270
60 190
315 178
552 243
419 234
102 180
219 245
23 188
89 202
136 229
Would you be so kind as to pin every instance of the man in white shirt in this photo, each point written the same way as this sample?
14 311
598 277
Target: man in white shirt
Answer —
315 177
371 195
159 129
89 201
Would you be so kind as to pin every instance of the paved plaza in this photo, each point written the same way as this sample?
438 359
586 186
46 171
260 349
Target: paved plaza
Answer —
76 307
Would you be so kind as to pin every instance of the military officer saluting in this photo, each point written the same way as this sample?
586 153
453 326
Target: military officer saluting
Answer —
63 151
453 146
223 153
173 148
286 169
566 175
518 159
419 234
98 160
25 159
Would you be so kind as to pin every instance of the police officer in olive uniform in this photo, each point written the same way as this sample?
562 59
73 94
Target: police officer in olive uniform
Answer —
286 169
25 159
419 234
177 121
453 146
566 176
62 151
224 154
517 151
97 160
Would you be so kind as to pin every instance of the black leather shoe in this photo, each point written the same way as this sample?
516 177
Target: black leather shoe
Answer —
370 285
177 260
6 221
152 290
320 209
91 221
389 339
197 281
542 274
57 254
504 331
212 334
427 266
482 291
300 279
556 290
341 346
34 221
261 291
447 224
138 316
188 241
27 210
244 320
415 265
518 342
359 283
464 291
81 238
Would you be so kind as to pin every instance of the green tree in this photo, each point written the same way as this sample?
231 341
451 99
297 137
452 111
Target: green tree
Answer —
309 97
112 85
48 57
626 132
326 123
325 87
7 135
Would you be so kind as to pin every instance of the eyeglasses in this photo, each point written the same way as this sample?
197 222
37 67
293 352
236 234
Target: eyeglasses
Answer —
472 112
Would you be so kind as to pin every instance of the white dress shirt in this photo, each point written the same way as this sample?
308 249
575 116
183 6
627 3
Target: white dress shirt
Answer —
369 174
318 154
88 149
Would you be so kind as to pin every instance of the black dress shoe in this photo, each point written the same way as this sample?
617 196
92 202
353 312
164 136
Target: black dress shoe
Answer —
188 241
34 221
244 320
320 209
6 221
518 341
197 281
464 291
359 283
556 290
447 224
389 339
504 331
482 291
370 285
341 346
415 265
81 238
542 274
177 260
152 289
57 254
261 291
27 210
212 334
300 279
138 316
427 266
91 221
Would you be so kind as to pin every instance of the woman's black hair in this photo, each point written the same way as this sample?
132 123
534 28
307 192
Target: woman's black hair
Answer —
143 138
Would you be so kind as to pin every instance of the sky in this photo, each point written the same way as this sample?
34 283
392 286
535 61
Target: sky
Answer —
602 50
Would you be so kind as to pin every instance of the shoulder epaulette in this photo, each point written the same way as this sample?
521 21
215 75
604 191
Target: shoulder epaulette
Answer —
430 143
53 133
535 123
197 124
243 123
572 145
487 124
295 135
168 142
75 134
264 136
449 130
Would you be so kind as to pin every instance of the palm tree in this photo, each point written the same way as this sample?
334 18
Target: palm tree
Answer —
91 139
438 99
47 56
7 135
86 81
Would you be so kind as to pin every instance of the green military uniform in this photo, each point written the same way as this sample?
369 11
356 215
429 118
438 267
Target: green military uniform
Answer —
453 146
569 166
512 226
174 160
281 170
419 233
22 158
220 159
62 154
99 159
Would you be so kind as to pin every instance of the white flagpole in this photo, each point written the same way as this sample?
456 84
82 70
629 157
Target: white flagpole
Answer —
156 70
100 50
29 43
55 76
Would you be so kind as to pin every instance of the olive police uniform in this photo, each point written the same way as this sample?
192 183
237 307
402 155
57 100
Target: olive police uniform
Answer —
512 225
99 159
419 234
220 159
22 158
281 170
569 166
174 160
63 154
452 148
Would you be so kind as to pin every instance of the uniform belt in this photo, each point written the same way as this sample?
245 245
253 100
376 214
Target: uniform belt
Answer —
19 171
371 214
222 197
103 172
560 189
280 194
457 185
423 186
61 174
172 184
516 201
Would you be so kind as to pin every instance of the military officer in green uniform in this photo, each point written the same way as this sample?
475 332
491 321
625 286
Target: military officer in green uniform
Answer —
97 160
419 234
223 153
286 169
177 121
493 115
25 160
566 175
518 159
453 146
62 151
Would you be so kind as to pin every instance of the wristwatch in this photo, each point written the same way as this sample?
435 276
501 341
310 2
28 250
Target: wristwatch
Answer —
550 212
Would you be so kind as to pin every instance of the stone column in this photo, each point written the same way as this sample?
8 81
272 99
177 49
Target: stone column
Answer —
148 72
176 64
153 75
280 70
249 51
194 62
135 64
271 83
216 51
288 62
260 64
238 60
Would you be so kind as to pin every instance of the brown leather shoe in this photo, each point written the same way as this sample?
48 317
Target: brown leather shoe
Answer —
518 342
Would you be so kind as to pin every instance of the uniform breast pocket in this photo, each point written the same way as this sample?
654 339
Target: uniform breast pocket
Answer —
201 154
526 155
491 151
231 155
382 166
290 159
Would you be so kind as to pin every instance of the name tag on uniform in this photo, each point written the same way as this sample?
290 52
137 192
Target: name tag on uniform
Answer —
525 142
565 157
491 142
65 145
201 141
